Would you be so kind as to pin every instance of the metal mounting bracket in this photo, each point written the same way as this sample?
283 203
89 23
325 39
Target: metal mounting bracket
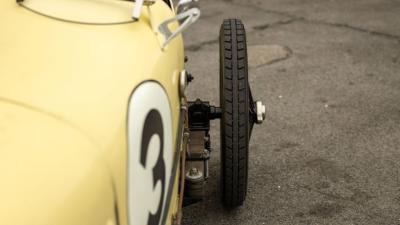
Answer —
188 17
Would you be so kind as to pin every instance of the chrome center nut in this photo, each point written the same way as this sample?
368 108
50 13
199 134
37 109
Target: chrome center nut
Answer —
261 112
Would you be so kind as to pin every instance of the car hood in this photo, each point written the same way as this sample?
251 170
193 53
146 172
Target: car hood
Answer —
82 72
84 11
50 171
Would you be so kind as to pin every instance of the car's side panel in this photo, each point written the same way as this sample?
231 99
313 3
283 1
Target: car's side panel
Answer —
51 173
85 75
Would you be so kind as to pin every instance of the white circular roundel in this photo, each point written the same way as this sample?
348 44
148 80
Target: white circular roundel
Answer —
150 154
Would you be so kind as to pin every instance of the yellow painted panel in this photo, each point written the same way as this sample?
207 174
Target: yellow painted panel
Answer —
83 75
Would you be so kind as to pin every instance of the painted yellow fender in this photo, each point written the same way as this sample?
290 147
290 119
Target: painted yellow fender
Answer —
69 94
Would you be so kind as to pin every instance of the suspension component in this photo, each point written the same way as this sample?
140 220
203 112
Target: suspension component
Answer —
198 152
200 113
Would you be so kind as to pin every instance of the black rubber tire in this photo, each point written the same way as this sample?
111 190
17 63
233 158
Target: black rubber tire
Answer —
234 100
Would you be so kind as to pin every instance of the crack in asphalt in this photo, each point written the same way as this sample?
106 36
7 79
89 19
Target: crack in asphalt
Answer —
320 22
275 24
289 20
350 27
199 46
290 53
329 195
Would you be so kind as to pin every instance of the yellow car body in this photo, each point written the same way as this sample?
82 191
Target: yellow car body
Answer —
65 91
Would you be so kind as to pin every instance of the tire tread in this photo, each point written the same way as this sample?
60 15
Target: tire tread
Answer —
234 123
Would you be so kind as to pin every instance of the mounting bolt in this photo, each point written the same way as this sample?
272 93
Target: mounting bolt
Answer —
194 174
189 78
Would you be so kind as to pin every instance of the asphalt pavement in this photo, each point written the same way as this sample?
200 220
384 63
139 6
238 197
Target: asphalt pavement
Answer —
329 73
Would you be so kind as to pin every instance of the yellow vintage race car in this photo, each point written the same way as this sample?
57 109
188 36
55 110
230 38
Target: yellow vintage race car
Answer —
95 126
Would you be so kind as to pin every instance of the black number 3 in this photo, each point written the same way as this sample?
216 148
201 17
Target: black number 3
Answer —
153 126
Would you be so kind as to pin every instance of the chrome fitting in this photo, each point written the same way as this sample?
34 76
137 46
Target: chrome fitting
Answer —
261 112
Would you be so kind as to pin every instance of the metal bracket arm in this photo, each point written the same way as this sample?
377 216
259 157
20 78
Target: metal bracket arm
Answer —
188 17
